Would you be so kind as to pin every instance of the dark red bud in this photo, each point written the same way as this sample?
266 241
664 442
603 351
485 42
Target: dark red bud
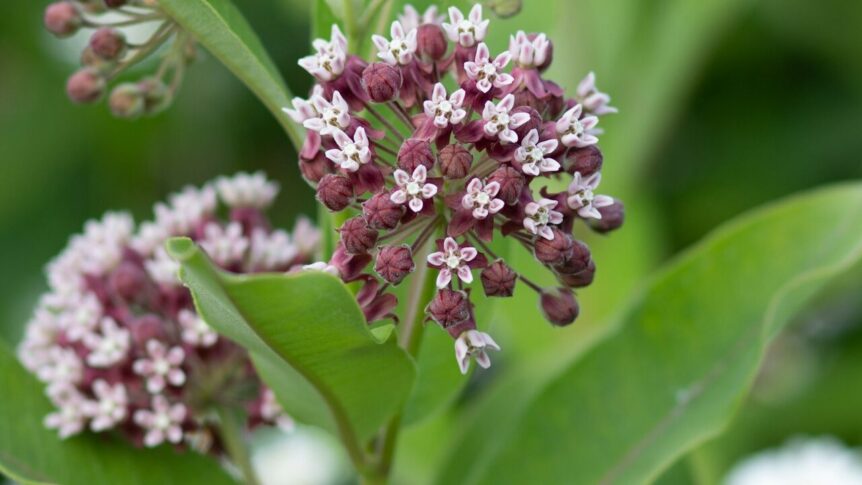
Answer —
511 183
394 263
85 86
455 161
612 218
449 308
356 236
559 306
415 152
313 170
431 42
381 213
535 122
381 82
128 281
579 280
554 251
126 101
62 19
498 279
578 261
146 327
335 192
108 43
587 160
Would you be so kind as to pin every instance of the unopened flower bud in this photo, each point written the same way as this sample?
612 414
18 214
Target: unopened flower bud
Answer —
455 161
356 236
108 43
431 42
415 152
128 281
612 218
559 306
511 183
579 280
498 279
578 261
85 86
62 19
145 328
126 101
554 251
313 170
157 95
586 160
535 122
335 192
394 263
381 213
381 82
449 308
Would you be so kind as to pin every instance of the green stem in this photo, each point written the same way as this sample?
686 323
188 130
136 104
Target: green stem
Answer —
230 429
350 25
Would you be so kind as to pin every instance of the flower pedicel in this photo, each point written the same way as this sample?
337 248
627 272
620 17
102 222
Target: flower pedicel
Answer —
116 339
414 160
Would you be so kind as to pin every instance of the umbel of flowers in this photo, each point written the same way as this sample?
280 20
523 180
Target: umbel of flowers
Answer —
109 53
116 339
438 139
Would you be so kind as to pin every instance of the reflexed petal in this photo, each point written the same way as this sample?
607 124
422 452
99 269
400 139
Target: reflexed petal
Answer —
496 205
450 245
419 174
469 253
492 188
482 359
546 233
416 204
444 278
602 201
429 190
465 274
439 93
436 258
398 197
401 177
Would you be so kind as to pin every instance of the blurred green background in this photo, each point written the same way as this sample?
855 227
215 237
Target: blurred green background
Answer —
724 106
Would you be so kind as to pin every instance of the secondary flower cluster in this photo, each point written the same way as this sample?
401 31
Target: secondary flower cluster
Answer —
109 53
117 341
438 139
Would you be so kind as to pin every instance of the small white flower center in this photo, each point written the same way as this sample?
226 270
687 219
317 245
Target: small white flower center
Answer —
161 366
542 216
413 188
453 260
482 198
161 421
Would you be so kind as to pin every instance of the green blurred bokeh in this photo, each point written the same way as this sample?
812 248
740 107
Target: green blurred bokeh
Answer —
771 104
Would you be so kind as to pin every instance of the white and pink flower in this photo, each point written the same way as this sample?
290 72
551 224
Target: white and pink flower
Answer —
413 189
330 57
488 74
500 123
453 259
445 111
532 155
481 198
163 366
582 198
474 344
466 31
399 50
351 153
163 422
576 130
540 215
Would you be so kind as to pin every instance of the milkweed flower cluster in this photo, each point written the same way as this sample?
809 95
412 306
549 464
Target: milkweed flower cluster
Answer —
117 341
109 52
439 138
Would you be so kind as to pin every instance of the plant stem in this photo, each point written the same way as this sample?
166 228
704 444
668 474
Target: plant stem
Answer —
230 430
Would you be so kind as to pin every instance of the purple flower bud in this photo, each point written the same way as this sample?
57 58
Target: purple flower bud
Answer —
554 251
612 218
579 280
381 82
431 42
394 263
511 183
498 279
578 261
108 43
587 160
85 86
128 281
126 101
356 236
455 161
559 306
62 19
449 308
535 122
335 192
146 327
381 213
415 152
313 170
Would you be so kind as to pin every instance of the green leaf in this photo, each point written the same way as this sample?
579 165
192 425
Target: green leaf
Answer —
220 27
310 341
686 351
31 453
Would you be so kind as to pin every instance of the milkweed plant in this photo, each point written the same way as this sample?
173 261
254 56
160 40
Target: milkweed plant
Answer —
427 153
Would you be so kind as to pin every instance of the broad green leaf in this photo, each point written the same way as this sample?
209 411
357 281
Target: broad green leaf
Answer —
31 453
306 333
686 351
220 27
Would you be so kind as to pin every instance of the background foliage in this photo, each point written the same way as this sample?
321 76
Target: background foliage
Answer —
724 105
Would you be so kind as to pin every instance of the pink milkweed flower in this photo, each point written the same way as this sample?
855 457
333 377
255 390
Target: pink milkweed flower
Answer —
163 422
331 116
500 123
466 31
582 199
411 19
328 61
488 74
529 53
195 330
350 154
593 100
110 407
108 346
162 366
532 155
453 258
577 131
400 49
482 199
443 111
71 413
540 215
412 188
473 344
